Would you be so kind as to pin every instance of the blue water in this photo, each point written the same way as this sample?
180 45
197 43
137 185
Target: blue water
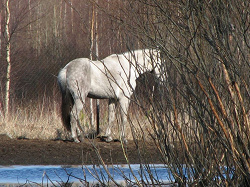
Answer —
58 174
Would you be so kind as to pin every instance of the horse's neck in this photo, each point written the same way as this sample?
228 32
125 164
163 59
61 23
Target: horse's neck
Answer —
142 63
136 61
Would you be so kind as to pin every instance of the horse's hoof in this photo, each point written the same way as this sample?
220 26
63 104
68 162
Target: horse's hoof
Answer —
125 142
106 139
77 141
109 139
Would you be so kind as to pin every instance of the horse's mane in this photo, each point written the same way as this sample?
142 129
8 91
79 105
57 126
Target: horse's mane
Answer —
134 52
133 55
138 52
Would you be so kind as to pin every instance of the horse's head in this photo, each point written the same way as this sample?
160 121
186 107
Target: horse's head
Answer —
155 64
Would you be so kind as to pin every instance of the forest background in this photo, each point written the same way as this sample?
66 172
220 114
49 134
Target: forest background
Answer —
202 108
43 37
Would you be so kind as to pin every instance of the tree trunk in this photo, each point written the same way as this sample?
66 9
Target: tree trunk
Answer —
97 56
91 58
94 41
7 88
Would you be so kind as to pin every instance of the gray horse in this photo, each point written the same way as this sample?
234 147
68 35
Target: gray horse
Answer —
112 78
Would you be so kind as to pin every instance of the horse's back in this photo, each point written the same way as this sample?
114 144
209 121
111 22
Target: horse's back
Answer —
78 68
115 59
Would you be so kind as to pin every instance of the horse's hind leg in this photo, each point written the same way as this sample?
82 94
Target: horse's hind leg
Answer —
111 119
76 128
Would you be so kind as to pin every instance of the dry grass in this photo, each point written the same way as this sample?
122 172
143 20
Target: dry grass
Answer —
43 121
40 121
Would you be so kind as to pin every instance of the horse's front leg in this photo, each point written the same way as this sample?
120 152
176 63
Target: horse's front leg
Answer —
124 117
111 119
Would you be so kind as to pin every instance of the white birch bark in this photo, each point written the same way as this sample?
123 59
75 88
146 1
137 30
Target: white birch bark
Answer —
97 56
8 47
91 58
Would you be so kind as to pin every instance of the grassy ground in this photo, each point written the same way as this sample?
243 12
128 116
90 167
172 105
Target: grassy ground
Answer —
33 122
43 121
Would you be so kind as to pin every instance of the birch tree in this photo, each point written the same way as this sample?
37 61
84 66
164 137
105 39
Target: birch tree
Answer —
91 58
8 59
97 56
94 43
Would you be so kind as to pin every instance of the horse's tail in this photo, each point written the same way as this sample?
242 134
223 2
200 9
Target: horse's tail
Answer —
67 100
